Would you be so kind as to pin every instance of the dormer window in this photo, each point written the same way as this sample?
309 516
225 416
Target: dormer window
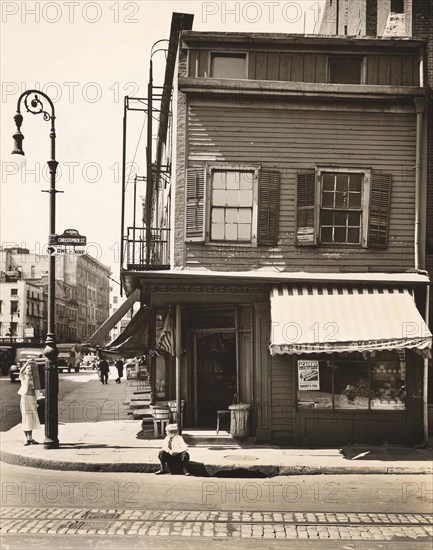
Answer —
228 65
345 70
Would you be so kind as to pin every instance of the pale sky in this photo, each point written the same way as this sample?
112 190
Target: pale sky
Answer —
87 56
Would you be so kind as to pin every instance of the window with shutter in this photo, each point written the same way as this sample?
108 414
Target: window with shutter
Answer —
195 205
268 207
380 200
232 208
306 209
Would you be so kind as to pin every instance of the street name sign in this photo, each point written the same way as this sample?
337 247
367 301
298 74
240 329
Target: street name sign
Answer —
69 237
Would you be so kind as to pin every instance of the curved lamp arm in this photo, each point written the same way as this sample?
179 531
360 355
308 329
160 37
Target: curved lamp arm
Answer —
35 106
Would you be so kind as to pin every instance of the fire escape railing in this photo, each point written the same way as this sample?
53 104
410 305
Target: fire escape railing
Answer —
142 256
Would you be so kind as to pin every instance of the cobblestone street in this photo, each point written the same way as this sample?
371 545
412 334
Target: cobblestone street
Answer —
243 525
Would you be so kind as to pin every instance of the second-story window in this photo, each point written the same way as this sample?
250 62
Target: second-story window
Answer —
228 65
14 292
343 207
345 70
232 203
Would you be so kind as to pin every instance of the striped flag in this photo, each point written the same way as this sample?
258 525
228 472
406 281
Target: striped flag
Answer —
166 339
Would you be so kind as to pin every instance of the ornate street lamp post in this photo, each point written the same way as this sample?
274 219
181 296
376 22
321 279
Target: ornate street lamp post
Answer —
34 105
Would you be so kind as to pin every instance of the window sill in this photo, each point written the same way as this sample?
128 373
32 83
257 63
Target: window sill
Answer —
231 244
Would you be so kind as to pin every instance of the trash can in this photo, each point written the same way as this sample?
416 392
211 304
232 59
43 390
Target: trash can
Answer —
41 409
239 419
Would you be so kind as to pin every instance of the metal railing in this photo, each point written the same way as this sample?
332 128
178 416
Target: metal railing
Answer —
135 249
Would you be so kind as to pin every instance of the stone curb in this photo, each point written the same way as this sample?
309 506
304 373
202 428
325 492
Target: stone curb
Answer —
209 470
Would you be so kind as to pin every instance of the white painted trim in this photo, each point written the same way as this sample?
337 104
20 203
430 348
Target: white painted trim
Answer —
232 167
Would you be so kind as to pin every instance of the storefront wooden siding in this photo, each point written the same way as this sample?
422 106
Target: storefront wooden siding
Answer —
282 392
292 137
397 69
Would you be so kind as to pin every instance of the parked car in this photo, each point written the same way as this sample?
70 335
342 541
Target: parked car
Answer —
89 362
7 354
21 356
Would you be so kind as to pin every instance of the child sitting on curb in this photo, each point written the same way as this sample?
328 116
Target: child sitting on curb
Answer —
173 455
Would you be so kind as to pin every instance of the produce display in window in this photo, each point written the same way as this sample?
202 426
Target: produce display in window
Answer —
351 385
388 386
376 384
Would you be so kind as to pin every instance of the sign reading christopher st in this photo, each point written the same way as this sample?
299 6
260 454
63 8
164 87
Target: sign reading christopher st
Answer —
69 237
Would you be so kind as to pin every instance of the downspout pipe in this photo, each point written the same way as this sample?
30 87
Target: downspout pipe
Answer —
425 377
418 253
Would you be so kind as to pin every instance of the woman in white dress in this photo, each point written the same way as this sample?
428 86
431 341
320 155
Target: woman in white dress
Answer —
28 406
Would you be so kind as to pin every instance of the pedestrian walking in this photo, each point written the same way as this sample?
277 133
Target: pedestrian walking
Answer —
119 367
28 404
104 369
173 455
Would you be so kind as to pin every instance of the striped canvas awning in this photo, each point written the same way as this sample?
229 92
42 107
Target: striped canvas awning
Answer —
324 319
134 338
101 334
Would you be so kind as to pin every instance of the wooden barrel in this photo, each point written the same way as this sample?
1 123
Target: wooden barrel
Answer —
239 419
160 412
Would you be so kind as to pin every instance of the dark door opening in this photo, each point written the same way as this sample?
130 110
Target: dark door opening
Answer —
216 375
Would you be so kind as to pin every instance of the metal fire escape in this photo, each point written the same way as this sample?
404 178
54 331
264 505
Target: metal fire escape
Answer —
147 246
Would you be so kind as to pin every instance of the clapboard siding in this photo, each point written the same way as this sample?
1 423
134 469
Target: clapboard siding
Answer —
381 69
291 140
282 392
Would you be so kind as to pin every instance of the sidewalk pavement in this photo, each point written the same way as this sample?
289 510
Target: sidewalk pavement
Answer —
96 434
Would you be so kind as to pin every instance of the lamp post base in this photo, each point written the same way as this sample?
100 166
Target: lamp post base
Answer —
51 394
51 444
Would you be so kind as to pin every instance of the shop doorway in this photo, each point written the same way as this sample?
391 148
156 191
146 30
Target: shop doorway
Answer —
215 375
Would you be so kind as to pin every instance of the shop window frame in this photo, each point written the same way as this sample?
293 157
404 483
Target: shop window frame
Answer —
371 362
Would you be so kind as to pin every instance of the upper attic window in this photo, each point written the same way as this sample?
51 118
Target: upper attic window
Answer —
345 70
228 65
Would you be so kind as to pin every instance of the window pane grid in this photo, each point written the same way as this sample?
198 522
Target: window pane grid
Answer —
340 215
232 206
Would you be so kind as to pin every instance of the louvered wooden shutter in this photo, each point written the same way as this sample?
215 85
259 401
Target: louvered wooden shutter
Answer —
195 204
306 233
380 200
268 208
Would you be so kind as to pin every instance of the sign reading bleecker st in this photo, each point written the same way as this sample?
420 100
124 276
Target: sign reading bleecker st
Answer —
69 237
308 375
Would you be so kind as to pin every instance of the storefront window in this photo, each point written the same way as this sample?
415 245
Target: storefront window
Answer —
388 385
351 389
353 383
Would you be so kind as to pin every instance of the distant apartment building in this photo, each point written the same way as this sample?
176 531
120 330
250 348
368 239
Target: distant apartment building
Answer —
22 311
115 302
93 295
82 296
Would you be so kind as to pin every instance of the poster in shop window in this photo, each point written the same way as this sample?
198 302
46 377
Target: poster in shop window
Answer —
308 375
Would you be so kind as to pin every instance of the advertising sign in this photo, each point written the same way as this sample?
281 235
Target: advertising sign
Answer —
308 375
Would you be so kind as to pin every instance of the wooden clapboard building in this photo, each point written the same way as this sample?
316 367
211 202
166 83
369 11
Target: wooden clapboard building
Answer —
295 276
